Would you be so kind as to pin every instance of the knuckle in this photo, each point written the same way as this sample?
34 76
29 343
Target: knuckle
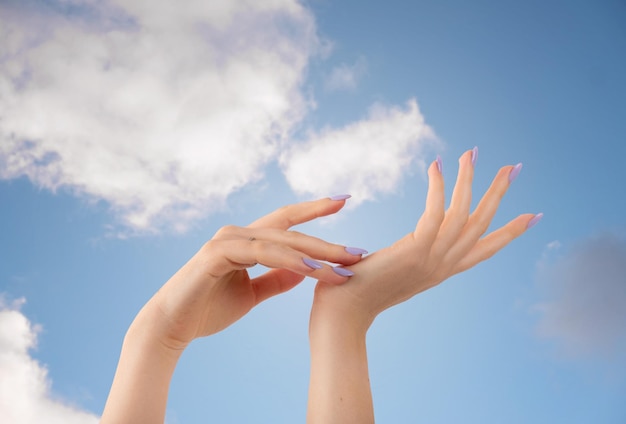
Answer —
481 224
436 215
294 234
226 231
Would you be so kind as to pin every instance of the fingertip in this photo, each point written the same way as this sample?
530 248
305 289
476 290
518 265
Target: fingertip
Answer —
340 197
329 205
474 155
515 171
436 167
534 220
357 251
343 272
311 263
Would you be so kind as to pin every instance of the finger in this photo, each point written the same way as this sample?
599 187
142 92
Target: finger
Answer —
430 221
478 223
224 256
312 246
495 241
458 212
274 282
298 213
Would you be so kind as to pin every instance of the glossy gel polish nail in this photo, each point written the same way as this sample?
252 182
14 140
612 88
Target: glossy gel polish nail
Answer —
343 272
312 264
474 155
340 197
439 164
515 172
534 220
356 251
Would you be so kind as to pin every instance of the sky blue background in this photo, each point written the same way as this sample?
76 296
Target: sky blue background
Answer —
538 82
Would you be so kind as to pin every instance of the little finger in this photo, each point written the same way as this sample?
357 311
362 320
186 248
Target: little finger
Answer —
496 241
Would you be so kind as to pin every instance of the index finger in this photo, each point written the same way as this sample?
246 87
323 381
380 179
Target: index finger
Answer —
298 213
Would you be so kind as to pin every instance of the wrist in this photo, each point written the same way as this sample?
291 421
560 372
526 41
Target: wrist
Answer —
141 383
145 333
333 306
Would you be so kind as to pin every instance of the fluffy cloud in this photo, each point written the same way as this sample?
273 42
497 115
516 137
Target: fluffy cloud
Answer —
24 387
160 110
585 298
364 158
163 111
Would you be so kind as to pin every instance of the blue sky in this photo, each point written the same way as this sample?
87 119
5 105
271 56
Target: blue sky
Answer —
131 131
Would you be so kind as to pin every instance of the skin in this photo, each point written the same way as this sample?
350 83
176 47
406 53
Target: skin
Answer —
214 289
209 293
444 243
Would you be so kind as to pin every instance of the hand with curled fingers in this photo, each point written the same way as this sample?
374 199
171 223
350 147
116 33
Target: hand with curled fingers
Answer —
443 243
214 289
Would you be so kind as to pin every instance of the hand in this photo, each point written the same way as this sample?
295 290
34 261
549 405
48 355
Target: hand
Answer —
214 289
444 243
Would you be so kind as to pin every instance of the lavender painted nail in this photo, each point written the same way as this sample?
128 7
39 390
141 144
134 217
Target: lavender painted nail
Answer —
356 251
474 155
340 197
439 164
515 172
312 264
343 272
535 219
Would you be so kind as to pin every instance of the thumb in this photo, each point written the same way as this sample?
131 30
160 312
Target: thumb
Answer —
274 282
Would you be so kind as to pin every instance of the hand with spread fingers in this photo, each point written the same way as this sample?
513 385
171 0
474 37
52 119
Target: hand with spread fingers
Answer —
444 242
212 291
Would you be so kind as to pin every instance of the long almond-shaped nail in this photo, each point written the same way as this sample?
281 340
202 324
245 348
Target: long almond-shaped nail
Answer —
356 251
312 264
474 155
534 220
515 172
439 164
340 197
343 272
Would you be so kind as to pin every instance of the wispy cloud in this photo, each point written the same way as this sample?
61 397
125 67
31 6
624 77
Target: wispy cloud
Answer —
346 76
584 290
163 111
25 396
365 158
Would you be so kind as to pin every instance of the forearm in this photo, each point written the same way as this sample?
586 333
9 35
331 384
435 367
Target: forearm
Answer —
141 383
339 388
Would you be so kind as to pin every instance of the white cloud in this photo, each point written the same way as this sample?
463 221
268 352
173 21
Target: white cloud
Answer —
163 111
25 396
345 76
364 158
159 109
584 309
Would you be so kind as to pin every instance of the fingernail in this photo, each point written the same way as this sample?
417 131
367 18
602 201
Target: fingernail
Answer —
340 197
515 172
535 219
356 251
439 164
474 155
343 272
312 264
